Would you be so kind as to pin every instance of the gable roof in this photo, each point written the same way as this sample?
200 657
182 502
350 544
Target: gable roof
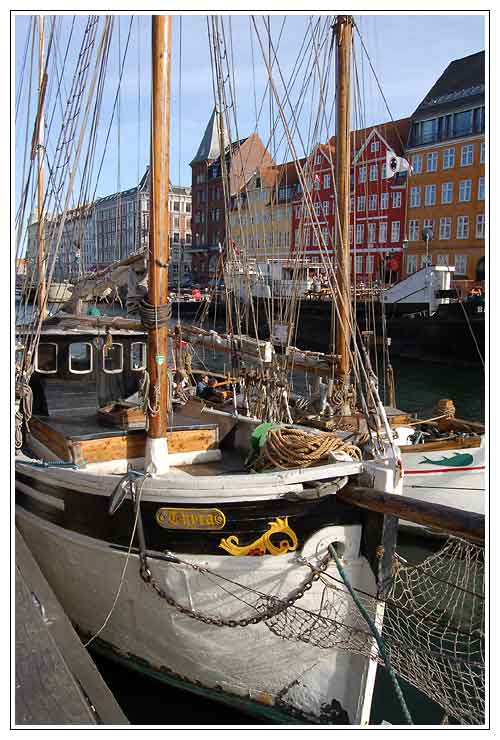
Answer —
462 82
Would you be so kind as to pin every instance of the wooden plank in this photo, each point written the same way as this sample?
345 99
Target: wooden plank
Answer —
452 521
50 438
56 680
133 446
455 443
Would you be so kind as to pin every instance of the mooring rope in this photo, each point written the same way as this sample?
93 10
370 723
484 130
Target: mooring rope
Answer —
287 447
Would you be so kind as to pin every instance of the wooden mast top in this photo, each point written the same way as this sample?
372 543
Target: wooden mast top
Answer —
156 449
343 42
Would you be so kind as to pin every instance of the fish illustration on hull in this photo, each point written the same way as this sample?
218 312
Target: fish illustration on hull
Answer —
459 460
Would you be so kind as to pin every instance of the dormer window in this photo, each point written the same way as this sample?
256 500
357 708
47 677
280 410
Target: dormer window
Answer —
80 357
112 358
46 358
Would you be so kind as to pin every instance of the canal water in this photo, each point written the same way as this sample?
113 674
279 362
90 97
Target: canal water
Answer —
146 702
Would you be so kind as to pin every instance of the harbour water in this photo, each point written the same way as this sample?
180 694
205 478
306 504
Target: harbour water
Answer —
146 702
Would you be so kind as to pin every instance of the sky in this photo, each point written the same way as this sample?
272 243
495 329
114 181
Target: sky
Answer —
408 53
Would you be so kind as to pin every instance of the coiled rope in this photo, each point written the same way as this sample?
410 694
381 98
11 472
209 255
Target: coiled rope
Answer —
154 316
288 447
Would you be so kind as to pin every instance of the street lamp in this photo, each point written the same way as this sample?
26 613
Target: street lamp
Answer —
427 234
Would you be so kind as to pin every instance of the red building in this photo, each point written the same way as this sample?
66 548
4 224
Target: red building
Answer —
240 160
377 205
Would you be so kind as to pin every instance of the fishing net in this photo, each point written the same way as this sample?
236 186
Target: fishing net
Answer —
433 626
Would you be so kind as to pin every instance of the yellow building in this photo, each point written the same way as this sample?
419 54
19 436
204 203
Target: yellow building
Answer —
261 216
445 220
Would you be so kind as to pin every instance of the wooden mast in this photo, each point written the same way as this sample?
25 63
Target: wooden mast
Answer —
343 37
156 460
42 288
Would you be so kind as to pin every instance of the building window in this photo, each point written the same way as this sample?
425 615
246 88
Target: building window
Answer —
395 229
480 226
375 146
429 225
317 208
317 182
361 203
432 162
372 231
360 233
359 264
467 155
177 206
442 259
351 203
416 163
425 260
411 263
372 202
414 197
350 233
384 201
413 231
325 235
318 159
325 207
462 227
449 158
46 358
481 152
383 172
480 189
138 354
445 227
461 264
430 195
447 192
465 191
373 172
382 232
462 123
80 357
326 181
362 174
396 200
370 263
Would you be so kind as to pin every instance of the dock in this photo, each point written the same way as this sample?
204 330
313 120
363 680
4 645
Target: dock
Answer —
57 683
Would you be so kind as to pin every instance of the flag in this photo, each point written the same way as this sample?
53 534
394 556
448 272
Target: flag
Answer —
395 164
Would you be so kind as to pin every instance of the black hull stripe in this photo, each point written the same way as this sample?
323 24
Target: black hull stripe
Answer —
87 514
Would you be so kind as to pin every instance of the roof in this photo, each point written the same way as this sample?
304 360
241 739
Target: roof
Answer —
461 83
394 133
210 144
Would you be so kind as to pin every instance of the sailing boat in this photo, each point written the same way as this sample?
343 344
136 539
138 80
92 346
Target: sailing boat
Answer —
164 548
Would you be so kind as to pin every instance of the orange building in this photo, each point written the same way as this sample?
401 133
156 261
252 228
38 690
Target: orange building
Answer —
445 219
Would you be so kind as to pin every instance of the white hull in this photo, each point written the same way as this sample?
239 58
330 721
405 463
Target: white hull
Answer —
249 662
429 476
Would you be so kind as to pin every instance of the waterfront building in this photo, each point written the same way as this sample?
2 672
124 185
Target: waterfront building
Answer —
76 245
377 205
446 147
113 228
239 161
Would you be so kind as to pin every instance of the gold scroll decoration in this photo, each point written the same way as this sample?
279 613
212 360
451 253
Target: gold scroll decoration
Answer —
207 519
264 544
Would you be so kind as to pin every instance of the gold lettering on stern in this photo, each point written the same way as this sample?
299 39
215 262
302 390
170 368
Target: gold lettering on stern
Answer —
206 519
264 545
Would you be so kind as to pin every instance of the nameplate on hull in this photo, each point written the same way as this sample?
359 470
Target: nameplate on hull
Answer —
208 519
